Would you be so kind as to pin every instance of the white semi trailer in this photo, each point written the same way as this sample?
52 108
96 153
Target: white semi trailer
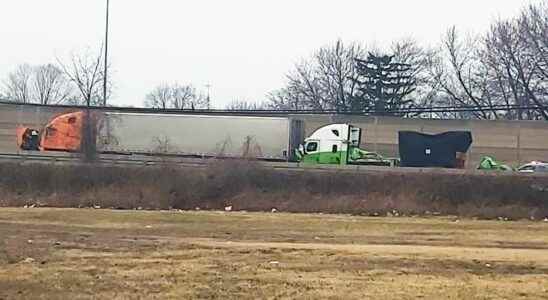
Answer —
267 138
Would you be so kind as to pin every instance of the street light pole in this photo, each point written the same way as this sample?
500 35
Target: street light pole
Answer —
106 59
208 86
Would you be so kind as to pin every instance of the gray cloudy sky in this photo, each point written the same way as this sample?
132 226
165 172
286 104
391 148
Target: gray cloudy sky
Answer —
242 48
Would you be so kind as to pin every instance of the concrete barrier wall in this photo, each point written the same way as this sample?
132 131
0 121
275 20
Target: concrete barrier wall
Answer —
513 142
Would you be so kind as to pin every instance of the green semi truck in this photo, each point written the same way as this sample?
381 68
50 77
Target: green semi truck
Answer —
339 144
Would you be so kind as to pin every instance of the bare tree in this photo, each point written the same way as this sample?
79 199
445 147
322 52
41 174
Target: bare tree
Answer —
286 98
321 82
50 85
533 33
159 97
200 101
183 96
85 72
518 66
420 59
459 75
43 84
533 26
500 73
17 87
187 97
176 96
336 63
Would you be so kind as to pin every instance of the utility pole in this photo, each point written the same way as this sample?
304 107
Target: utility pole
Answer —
208 86
106 59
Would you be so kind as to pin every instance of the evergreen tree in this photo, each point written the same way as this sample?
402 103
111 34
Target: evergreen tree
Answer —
383 85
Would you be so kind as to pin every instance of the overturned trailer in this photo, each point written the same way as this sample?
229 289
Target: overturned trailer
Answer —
444 150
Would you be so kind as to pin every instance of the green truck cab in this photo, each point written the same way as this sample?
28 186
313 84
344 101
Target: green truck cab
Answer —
339 144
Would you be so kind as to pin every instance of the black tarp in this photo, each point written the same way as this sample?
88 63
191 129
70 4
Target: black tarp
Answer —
438 150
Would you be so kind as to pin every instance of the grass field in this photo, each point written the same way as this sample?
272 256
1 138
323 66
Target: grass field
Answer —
85 253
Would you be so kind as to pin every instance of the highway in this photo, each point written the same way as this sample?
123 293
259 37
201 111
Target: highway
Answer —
63 158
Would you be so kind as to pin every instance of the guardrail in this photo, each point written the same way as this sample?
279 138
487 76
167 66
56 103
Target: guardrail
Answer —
61 158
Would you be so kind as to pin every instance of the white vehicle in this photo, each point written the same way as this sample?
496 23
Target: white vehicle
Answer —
534 167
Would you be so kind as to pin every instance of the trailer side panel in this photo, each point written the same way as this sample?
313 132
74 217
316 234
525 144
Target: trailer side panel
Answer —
226 136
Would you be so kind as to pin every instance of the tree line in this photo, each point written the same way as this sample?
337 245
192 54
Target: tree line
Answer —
77 80
502 73
499 74
176 96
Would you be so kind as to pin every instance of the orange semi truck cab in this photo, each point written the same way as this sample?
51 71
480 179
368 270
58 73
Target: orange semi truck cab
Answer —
62 133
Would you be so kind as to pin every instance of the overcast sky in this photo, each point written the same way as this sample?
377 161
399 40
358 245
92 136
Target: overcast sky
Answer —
242 48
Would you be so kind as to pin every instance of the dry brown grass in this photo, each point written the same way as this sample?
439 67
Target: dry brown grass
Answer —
247 185
90 254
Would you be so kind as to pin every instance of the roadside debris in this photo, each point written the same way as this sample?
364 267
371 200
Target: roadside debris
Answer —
393 213
488 163
28 260
228 208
